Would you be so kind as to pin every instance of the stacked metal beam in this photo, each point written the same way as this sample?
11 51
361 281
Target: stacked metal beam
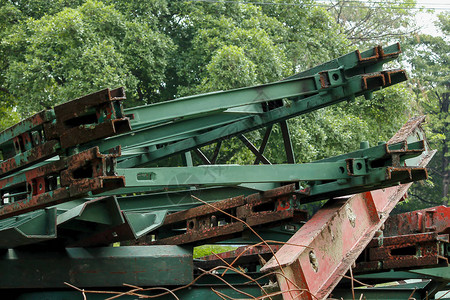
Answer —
84 173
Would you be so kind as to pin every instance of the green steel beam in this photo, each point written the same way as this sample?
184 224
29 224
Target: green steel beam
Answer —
355 86
232 174
357 62
166 133
221 101
181 200
96 267
34 227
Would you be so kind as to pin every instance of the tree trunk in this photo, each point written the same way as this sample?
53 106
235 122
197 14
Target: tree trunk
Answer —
445 148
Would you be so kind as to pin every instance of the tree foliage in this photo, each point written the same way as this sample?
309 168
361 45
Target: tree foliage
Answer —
79 50
164 49
429 58
373 21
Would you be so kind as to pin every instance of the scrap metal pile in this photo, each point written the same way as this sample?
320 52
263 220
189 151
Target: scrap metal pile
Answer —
86 174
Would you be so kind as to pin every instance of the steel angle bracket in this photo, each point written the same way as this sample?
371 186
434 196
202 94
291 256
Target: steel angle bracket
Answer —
95 267
136 224
112 224
337 234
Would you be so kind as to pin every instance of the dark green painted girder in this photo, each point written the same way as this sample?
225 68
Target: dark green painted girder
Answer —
357 62
355 86
80 223
187 107
232 174
166 133
96 267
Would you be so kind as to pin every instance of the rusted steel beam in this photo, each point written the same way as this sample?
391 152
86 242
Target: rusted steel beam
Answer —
94 116
337 234
433 219
52 132
404 251
86 173
207 223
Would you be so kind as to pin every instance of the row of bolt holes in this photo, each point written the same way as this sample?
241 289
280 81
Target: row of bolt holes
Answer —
358 167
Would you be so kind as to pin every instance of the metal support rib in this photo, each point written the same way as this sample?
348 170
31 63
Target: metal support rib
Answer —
287 142
255 151
202 156
263 145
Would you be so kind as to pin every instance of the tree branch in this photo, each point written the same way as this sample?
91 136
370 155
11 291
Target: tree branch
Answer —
422 199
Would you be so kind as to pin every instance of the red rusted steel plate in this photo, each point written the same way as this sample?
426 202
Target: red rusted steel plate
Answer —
404 251
433 219
335 236
83 134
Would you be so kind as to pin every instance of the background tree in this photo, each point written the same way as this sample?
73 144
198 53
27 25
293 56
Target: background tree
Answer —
165 49
373 21
79 50
429 58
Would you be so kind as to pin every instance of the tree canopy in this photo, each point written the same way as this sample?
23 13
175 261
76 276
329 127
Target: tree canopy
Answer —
429 58
54 51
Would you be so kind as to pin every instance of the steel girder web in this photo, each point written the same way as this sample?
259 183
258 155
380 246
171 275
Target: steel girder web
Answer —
338 233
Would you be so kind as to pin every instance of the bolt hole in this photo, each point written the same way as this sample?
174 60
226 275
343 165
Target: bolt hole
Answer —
313 261
191 224
358 166
335 77
342 170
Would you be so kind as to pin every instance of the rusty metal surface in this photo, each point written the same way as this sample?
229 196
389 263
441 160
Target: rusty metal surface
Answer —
88 172
24 126
404 251
37 154
336 235
207 224
433 219
52 132
403 133
378 53
91 117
